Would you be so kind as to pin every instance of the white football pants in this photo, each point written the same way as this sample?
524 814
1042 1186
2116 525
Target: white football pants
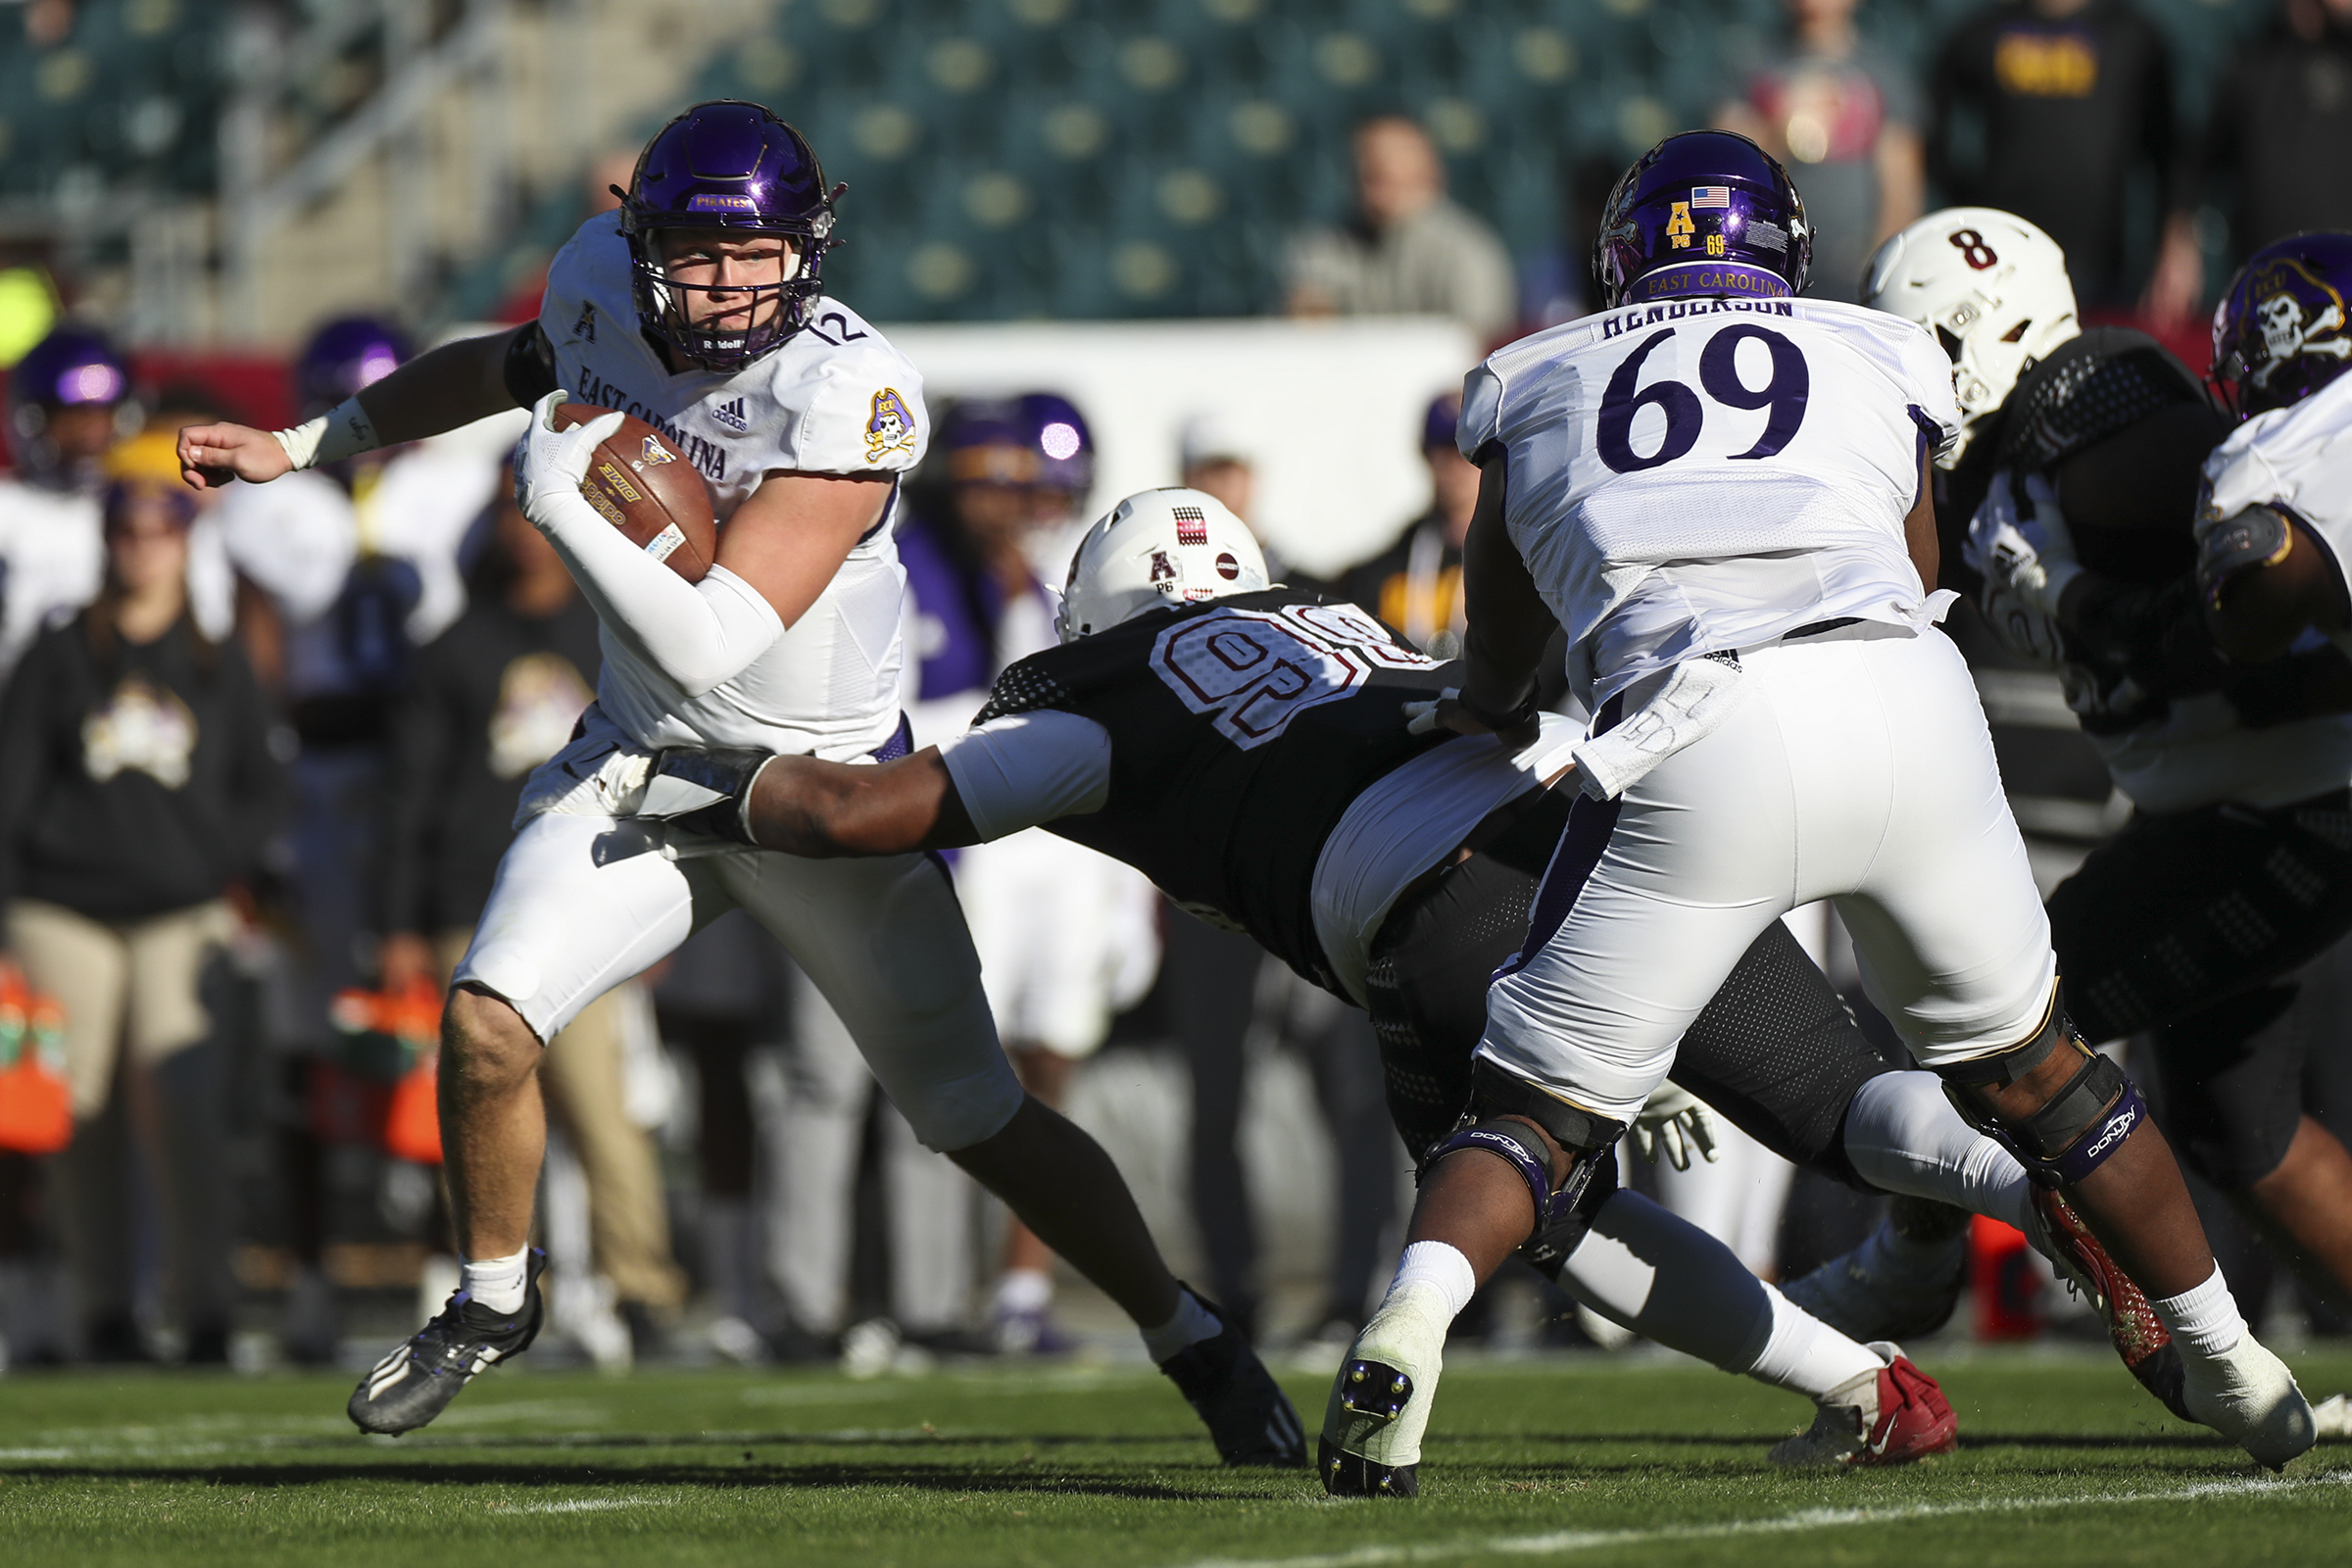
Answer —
1856 768
585 901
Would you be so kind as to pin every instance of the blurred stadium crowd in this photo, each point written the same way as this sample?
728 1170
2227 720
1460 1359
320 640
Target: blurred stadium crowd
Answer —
259 748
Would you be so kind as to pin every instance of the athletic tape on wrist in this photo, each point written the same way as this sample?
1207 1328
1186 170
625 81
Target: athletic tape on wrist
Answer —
343 431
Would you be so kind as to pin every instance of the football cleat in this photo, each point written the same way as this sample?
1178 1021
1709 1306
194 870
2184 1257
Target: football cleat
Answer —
1380 1402
2247 1395
2331 1418
1903 1282
1249 1419
2138 1335
1890 1416
417 1381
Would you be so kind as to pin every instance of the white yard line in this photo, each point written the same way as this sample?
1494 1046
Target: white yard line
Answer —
590 1506
1562 1542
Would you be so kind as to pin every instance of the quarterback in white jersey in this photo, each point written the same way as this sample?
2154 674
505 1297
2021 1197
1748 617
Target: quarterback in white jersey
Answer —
1721 492
697 309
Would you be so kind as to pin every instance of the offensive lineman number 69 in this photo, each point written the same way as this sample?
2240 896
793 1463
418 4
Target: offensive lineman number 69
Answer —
1719 372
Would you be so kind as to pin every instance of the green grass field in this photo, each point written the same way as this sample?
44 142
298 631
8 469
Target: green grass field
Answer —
1572 1460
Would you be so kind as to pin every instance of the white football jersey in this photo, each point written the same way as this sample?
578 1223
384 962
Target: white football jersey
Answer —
1707 475
2298 458
52 560
835 398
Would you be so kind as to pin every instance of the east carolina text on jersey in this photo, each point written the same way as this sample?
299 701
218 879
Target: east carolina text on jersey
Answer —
707 455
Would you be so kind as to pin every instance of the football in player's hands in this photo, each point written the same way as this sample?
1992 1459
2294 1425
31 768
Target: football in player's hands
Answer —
642 484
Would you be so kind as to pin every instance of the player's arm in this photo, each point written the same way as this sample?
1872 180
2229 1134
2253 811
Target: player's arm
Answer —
1919 528
1505 625
1015 771
439 390
791 535
2265 579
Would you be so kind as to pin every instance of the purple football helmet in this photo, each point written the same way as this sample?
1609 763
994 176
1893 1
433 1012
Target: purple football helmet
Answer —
1703 213
2281 331
344 355
1065 448
733 166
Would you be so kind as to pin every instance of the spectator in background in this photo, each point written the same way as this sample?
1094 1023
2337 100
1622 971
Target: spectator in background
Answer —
137 785
2046 108
63 402
1415 585
2274 146
1410 250
1217 455
492 698
1843 118
27 302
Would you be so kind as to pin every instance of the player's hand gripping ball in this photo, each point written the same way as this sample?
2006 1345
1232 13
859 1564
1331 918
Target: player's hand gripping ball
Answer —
632 475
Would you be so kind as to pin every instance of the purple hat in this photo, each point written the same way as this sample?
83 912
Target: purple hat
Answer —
71 366
2284 330
1443 419
344 356
988 441
1703 213
733 166
1065 448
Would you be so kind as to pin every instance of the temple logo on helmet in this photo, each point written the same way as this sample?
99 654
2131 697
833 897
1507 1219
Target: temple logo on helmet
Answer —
890 427
2298 311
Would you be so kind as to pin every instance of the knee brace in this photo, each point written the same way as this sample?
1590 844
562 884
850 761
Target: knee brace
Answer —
1497 1100
2075 1130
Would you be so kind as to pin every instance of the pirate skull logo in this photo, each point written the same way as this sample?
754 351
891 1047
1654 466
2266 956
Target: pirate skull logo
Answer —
2294 322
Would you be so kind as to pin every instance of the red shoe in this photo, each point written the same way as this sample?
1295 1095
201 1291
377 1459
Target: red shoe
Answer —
2139 1337
1892 1416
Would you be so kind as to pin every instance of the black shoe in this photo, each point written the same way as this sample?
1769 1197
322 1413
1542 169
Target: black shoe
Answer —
1250 1418
417 1380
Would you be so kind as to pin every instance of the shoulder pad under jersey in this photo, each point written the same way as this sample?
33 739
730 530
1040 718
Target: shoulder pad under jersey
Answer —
2107 380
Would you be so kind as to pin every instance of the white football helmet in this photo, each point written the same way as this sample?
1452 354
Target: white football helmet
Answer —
1992 287
1157 547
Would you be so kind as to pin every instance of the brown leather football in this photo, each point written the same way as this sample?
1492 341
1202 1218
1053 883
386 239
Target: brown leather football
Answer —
648 489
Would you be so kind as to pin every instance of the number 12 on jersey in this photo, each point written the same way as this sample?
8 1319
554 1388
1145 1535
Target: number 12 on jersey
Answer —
1782 393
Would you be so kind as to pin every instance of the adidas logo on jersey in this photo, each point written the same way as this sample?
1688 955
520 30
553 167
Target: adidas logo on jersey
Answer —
730 414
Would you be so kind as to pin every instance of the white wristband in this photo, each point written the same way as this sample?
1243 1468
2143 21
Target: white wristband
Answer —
343 431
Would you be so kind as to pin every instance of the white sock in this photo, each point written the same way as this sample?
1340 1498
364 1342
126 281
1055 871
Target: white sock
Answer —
1188 1327
1024 1290
1903 1134
1443 1268
496 1281
2205 1321
1807 1356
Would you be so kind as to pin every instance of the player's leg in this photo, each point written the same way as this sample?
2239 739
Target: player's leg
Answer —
580 905
2233 1076
1647 907
1953 946
2182 910
1655 1273
886 943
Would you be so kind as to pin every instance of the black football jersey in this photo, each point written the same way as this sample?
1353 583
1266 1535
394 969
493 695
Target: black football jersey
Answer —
1241 731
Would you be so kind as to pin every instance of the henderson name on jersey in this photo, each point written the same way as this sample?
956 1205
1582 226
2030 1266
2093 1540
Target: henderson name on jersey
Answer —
1705 474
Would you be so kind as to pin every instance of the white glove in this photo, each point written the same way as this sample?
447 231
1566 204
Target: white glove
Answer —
1674 1123
550 463
2024 631
1422 718
2023 547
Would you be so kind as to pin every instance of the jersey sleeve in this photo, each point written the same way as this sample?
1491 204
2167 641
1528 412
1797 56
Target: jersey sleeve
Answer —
1023 769
1482 412
1927 376
859 410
